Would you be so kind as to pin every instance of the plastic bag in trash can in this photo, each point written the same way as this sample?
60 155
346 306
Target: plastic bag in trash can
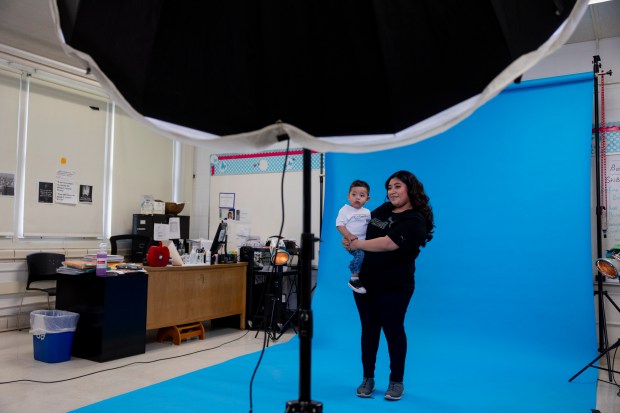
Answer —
52 321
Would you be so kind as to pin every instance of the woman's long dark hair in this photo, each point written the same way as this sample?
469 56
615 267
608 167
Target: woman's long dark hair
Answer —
417 196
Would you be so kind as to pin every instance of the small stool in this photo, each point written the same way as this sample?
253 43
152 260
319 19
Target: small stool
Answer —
181 332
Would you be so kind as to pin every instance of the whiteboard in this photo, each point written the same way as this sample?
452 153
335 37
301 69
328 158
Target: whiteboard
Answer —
65 146
612 235
9 106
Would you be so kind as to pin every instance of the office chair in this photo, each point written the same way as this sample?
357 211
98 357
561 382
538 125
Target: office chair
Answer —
41 267
139 246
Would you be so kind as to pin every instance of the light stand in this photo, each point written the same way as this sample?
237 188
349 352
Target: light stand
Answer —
603 340
305 404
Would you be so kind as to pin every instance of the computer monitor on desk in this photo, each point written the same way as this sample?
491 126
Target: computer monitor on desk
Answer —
220 238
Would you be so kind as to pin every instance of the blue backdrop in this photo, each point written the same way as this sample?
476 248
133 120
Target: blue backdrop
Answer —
503 312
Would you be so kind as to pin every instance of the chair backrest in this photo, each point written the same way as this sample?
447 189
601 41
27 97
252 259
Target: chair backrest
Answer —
137 245
42 266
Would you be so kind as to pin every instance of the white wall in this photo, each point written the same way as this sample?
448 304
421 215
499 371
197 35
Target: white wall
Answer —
257 194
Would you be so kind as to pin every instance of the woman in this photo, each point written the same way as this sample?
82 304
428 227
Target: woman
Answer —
396 232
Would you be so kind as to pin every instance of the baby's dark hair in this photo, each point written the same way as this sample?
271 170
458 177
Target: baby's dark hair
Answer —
363 184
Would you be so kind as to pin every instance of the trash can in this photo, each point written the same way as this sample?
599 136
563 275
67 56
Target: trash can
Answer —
52 332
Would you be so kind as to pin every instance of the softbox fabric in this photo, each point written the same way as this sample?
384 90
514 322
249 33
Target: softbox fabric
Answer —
355 75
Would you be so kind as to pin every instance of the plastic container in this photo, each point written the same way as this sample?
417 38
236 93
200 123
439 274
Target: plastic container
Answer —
102 260
52 332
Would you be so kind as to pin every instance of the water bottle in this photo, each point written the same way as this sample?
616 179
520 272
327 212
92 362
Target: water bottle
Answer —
102 260
192 256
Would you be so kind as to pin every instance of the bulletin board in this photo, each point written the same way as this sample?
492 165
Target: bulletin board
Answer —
65 147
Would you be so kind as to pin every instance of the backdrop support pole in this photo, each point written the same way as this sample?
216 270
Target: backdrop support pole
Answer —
600 293
305 404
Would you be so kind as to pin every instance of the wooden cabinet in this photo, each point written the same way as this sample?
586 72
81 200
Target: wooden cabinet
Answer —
181 295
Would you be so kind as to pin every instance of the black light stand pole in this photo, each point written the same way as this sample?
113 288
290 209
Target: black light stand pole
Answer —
602 326
603 340
305 404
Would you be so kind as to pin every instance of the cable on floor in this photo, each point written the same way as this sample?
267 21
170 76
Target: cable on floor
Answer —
125 365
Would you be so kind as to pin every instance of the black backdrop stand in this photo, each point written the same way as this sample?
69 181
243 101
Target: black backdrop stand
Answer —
305 404
603 339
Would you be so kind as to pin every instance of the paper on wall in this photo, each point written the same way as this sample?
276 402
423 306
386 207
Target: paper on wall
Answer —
161 232
174 224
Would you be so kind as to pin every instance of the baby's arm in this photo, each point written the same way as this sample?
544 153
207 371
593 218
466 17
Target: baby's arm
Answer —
345 233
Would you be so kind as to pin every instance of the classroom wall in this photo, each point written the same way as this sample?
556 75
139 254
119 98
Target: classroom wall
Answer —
258 196
61 125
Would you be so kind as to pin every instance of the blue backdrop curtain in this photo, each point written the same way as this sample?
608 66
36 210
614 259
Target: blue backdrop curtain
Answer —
503 307
503 312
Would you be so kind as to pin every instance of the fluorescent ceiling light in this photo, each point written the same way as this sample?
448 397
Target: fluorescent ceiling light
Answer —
596 1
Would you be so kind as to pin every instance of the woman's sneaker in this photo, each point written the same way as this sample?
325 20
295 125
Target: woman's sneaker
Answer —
356 285
365 389
395 391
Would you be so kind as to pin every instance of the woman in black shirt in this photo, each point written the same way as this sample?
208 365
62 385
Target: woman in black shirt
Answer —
395 234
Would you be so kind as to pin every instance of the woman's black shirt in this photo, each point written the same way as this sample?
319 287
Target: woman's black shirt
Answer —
393 270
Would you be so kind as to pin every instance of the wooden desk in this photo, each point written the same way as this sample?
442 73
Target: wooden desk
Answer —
181 295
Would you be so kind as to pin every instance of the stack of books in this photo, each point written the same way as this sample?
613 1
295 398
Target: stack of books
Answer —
87 264
111 258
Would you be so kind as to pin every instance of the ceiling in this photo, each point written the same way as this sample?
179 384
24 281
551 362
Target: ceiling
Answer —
27 30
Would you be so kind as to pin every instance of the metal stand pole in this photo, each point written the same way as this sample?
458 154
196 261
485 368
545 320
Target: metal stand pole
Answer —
305 404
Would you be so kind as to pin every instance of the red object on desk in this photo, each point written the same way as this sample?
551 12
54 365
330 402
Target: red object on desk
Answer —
158 256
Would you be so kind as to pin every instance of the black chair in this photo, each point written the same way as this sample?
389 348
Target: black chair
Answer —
136 245
41 267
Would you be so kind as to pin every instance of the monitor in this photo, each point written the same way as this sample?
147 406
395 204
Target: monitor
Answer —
220 238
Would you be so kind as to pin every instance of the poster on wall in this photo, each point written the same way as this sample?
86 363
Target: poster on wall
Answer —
86 194
46 192
227 200
66 189
7 184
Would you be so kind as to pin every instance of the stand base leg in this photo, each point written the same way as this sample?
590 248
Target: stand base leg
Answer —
591 364
297 406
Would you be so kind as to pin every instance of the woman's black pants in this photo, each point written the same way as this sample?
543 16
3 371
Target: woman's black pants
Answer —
384 310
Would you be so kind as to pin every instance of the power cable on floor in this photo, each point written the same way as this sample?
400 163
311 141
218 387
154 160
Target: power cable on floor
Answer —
125 365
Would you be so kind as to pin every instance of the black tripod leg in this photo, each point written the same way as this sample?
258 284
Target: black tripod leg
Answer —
611 301
606 352
286 325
